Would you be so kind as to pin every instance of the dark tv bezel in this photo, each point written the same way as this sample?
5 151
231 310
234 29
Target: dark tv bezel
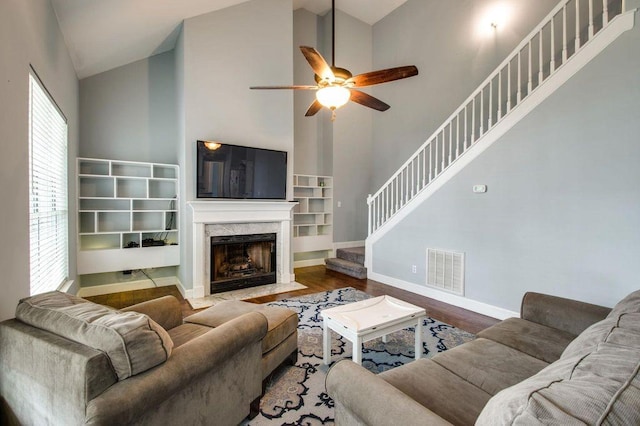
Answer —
198 170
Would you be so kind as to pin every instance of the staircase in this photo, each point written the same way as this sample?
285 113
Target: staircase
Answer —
349 261
564 42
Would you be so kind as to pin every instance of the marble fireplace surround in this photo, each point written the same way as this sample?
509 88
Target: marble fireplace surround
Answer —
239 217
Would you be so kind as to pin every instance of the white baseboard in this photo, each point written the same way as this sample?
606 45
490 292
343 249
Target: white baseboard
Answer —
451 299
128 286
348 244
186 293
310 262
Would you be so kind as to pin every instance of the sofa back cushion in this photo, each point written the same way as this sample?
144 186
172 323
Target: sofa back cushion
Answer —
133 342
596 380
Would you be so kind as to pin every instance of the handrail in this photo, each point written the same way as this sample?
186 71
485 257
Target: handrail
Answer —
484 107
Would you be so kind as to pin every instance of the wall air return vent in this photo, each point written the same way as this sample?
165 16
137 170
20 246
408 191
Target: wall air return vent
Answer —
445 271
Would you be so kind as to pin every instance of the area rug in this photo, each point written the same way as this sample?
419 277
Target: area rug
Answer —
245 293
296 394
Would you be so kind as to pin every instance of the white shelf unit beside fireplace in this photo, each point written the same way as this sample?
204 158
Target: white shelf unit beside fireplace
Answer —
313 215
120 205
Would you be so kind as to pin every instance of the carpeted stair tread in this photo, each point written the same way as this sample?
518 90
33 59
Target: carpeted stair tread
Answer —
346 267
352 254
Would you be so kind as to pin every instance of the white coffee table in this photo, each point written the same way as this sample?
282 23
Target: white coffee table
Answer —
369 319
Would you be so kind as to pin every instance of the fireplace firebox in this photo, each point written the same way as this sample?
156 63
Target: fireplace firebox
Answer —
242 261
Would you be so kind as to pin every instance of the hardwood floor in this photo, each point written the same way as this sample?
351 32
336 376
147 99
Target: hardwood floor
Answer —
317 279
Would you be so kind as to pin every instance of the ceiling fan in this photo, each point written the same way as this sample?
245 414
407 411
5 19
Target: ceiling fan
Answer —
336 86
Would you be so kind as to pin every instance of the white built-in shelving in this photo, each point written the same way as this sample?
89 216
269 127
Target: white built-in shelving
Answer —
313 215
126 210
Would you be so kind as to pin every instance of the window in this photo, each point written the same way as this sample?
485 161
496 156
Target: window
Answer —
48 210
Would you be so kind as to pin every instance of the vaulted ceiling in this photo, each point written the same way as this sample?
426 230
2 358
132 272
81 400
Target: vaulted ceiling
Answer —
102 35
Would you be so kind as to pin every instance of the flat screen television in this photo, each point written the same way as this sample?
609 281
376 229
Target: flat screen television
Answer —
233 171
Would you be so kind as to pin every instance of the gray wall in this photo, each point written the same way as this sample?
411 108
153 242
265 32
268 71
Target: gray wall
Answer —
562 211
309 147
129 113
29 34
352 131
342 148
453 56
224 53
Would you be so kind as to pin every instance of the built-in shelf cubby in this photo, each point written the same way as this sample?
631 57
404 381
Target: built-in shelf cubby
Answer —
313 215
127 215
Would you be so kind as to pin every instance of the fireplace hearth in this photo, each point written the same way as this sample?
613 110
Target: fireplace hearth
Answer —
242 261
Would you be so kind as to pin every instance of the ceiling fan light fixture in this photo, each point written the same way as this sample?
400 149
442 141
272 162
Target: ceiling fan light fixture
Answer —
336 86
333 97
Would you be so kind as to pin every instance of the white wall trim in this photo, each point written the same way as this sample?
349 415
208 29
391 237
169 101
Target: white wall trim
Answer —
347 244
70 287
451 299
619 25
131 285
308 262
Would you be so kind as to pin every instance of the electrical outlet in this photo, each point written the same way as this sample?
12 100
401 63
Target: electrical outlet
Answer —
414 269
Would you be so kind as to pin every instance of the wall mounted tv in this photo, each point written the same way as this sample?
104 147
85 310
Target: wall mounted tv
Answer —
233 171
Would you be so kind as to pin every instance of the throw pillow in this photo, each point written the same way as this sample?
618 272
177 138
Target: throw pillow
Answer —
133 342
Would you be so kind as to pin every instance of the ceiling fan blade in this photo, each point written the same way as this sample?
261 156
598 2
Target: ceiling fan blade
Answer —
313 108
383 76
317 62
284 87
368 100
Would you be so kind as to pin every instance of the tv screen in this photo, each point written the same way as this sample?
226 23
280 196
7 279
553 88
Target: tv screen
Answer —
232 171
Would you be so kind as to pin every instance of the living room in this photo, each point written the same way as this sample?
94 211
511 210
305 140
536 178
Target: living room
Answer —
119 135
561 209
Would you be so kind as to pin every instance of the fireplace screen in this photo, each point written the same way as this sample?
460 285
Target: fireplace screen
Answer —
241 261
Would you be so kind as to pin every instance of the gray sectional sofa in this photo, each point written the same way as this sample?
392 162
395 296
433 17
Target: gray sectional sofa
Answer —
67 361
561 362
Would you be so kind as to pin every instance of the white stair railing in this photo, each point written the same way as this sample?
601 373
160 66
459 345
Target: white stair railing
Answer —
564 32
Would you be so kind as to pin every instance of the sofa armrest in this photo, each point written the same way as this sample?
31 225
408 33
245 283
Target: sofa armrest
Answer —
123 402
373 401
568 315
166 311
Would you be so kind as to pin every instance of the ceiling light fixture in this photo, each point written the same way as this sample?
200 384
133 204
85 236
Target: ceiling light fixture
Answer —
212 146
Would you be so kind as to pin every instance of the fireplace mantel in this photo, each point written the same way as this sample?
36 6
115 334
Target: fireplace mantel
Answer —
207 214
232 211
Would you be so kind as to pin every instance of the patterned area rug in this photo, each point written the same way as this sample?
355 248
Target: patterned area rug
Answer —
297 395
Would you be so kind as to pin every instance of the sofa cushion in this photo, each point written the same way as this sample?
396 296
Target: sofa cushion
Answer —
282 321
534 339
186 332
438 389
133 342
622 317
489 365
596 381
628 305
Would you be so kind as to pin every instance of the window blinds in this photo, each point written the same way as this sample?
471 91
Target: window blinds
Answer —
48 209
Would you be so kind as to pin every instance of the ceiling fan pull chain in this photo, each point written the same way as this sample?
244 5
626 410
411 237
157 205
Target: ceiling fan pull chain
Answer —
333 114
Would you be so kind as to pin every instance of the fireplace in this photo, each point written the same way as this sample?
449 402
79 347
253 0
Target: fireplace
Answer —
231 218
242 261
